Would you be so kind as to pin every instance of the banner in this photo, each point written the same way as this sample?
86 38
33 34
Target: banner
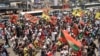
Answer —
13 18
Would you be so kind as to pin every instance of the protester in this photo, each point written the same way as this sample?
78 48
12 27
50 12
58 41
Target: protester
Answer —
3 51
28 37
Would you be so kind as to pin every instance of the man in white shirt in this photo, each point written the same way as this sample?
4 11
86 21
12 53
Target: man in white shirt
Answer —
54 36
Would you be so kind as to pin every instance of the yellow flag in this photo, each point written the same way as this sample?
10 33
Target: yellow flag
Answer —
78 12
45 17
97 16
74 12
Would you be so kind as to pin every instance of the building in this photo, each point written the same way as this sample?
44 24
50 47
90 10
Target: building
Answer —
13 6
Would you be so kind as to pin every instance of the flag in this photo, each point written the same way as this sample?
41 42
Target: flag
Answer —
80 36
78 12
81 13
74 12
45 17
97 16
76 48
62 38
31 18
71 41
13 18
45 14
46 11
28 16
34 19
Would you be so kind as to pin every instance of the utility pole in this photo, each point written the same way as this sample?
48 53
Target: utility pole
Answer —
27 4
46 3
32 2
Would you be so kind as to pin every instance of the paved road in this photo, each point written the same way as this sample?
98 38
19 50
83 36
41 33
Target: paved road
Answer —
11 53
97 46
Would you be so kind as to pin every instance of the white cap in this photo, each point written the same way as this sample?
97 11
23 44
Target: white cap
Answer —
40 30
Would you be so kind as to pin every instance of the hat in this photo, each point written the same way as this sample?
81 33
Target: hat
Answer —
40 30
44 47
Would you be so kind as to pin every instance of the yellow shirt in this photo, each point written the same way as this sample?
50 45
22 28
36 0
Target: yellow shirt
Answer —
25 51
97 16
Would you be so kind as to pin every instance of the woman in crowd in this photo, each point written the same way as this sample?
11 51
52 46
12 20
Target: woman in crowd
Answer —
43 35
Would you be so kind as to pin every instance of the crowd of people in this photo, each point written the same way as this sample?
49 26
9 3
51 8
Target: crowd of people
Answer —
27 38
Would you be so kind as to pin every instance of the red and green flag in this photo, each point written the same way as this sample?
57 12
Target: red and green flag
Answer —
76 45
80 36
62 38
73 46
